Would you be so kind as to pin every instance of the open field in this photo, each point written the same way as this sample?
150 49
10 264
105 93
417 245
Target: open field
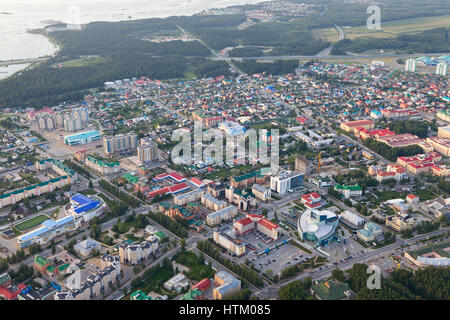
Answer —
81 62
388 29
31 223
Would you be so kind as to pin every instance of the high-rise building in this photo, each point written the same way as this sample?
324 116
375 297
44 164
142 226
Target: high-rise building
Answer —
441 69
59 120
147 152
46 122
410 65
72 124
301 164
286 181
118 143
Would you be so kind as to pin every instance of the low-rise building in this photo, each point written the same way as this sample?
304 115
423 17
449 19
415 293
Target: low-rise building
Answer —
217 217
187 197
312 200
227 285
226 239
370 233
400 222
133 254
330 290
102 166
353 218
49 230
178 283
350 126
212 203
261 192
87 247
240 197
349 191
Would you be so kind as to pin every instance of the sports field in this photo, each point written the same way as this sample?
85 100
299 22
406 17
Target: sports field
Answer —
31 223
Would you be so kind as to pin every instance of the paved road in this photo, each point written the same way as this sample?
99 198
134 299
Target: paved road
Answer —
326 52
371 56
126 281
376 253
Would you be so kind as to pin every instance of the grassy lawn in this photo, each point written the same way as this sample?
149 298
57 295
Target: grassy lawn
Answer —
198 270
389 194
31 223
425 195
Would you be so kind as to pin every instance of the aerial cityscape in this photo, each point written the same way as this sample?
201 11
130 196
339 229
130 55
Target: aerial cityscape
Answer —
253 150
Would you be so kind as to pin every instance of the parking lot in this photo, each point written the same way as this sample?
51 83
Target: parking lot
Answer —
277 259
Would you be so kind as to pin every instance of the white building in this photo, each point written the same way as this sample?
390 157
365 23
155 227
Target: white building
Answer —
217 217
353 218
261 192
120 142
86 247
286 181
147 152
178 283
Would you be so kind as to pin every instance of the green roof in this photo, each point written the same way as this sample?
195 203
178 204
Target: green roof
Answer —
139 295
192 294
63 266
247 176
51 268
438 248
160 234
355 187
103 163
40 261
131 178
330 289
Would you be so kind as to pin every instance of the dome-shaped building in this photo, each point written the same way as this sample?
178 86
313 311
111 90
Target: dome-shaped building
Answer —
318 226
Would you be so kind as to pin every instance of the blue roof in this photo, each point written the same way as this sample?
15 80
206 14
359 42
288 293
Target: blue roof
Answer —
47 225
83 135
81 199
86 207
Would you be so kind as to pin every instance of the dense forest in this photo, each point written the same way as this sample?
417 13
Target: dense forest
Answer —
418 128
430 41
125 48
431 283
246 52
391 153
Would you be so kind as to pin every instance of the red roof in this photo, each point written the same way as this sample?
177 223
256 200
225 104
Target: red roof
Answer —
313 205
245 221
160 176
359 123
158 192
178 187
202 285
176 176
411 196
197 182
268 224
254 216
11 295
302 120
